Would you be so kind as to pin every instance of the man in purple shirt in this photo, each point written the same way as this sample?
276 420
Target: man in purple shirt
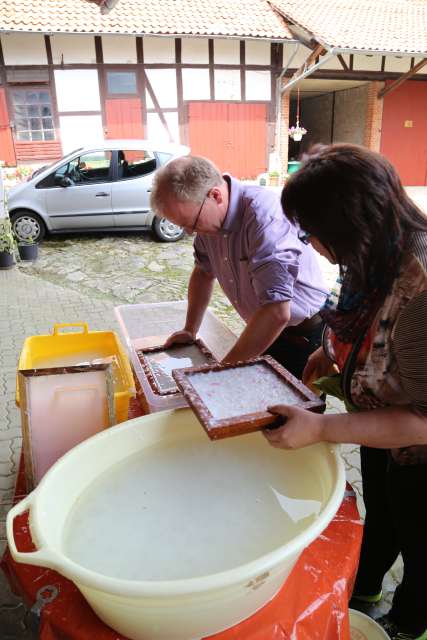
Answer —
266 270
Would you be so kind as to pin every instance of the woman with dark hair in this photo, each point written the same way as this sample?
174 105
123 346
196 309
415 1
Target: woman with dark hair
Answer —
352 208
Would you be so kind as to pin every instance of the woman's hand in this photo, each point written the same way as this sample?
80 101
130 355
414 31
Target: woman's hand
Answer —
180 337
318 365
301 428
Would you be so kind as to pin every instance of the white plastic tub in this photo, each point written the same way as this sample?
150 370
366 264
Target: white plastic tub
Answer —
149 325
362 627
187 608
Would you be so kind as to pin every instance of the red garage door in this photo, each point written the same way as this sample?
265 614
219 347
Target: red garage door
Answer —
7 151
404 131
234 136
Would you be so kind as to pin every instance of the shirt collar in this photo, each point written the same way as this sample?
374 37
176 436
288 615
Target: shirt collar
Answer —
232 219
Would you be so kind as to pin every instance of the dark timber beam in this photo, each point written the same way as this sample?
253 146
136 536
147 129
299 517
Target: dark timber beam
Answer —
402 79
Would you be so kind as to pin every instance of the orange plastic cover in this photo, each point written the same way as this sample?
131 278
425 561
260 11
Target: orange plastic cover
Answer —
312 605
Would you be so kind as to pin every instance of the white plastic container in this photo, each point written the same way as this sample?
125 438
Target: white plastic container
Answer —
186 608
362 627
149 325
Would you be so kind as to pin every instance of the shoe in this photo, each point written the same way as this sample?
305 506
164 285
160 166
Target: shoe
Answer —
395 633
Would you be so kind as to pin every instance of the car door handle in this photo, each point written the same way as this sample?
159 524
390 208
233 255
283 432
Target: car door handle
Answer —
102 194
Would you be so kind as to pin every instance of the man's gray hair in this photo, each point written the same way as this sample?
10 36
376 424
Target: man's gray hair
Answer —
186 179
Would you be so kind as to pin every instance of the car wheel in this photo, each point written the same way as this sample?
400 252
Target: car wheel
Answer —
167 231
27 225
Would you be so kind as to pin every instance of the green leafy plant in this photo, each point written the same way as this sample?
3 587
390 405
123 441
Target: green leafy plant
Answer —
274 174
27 241
7 239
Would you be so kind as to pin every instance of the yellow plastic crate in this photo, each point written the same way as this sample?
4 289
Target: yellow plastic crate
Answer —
77 347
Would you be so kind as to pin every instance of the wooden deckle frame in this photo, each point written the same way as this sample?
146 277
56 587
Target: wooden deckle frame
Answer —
25 376
217 428
150 374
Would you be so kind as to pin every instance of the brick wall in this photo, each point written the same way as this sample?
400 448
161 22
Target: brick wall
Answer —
283 141
374 115
357 119
350 115
316 117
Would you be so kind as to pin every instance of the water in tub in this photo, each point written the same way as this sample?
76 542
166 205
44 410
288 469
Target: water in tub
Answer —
192 508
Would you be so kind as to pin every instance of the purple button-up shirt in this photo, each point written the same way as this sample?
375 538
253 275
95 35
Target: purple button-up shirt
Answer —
258 258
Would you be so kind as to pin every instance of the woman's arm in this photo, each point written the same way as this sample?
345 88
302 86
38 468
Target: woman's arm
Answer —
388 428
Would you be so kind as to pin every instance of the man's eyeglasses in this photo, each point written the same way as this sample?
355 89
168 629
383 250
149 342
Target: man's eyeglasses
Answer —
304 237
196 220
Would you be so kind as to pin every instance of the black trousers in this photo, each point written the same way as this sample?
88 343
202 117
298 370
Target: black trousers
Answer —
292 351
396 522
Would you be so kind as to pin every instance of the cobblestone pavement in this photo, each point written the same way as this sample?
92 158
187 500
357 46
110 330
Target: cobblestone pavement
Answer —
82 279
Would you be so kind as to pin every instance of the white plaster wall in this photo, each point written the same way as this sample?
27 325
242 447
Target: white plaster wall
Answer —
119 49
258 85
195 50
159 50
300 57
401 65
334 63
24 48
77 90
79 131
156 130
163 82
195 84
257 52
227 84
77 49
226 51
367 63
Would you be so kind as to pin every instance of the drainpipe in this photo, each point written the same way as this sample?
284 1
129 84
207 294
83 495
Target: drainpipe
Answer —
330 53
279 97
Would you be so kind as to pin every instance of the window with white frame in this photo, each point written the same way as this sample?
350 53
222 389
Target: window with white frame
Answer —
33 114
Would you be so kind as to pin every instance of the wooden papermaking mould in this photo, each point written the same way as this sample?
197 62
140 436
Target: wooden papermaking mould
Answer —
158 363
232 399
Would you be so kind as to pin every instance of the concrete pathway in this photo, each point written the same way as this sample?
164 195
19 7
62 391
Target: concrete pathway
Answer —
82 279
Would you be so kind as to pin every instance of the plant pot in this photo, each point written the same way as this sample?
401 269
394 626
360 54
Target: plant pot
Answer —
7 260
28 251
273 181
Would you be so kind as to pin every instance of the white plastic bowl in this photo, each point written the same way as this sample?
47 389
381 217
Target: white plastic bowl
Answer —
184 609
362 627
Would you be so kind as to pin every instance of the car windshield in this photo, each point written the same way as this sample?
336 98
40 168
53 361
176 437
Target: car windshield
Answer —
52 164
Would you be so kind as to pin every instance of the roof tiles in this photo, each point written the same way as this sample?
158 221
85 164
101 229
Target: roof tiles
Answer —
375 25
241 18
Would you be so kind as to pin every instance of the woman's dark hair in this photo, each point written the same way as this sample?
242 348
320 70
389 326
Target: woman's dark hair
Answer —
352 200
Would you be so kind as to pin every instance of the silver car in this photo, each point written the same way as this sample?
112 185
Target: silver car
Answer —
99 188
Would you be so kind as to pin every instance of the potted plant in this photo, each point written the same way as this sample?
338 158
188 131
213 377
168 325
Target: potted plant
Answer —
273 178
28 249
297 132
7 244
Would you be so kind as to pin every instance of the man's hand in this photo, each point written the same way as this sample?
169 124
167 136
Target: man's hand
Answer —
300 429
318 365
180 337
